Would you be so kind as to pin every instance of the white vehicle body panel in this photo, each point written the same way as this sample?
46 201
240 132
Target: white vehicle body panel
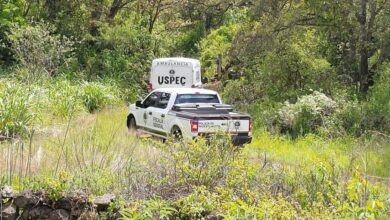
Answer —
228 125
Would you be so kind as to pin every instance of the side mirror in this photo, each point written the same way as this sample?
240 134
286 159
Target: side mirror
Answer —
139 104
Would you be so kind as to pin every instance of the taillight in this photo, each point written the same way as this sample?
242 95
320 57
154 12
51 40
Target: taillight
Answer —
194 126
250 125
150 87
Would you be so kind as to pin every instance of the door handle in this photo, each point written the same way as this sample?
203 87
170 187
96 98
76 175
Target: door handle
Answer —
162 116
150 113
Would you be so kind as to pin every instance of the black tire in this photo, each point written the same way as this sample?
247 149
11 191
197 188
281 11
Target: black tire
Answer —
176 134
131 124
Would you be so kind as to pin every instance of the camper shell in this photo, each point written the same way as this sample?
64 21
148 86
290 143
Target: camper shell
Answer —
175 72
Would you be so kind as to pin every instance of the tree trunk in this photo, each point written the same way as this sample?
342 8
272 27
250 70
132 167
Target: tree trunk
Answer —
363 66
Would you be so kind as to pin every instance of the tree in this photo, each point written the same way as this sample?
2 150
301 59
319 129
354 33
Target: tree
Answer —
11 13
356 33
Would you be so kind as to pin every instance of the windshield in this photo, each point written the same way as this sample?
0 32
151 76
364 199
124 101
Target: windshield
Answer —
197 98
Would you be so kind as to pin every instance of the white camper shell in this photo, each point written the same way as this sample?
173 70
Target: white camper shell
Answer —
175 72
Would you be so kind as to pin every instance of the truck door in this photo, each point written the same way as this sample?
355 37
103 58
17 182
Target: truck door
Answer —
143 114
157 114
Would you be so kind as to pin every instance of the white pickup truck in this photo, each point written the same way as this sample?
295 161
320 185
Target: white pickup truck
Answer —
188 113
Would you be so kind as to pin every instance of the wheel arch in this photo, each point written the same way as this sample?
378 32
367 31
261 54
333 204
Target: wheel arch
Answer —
129 117
175 126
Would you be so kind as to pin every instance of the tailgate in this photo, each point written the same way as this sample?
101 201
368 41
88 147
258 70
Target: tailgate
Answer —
225 125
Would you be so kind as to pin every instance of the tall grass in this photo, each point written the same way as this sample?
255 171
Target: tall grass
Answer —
15 103
23 105
275 177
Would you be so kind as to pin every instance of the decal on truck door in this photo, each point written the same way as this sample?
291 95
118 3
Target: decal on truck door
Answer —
158 123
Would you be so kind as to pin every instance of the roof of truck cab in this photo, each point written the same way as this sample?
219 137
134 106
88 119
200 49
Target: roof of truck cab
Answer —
186 91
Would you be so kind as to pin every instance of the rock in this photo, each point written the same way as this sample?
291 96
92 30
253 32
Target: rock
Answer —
89 215
115 216
102 202
24 199
64 203
213 217
9 211
40 212
60 214
6 192
78 202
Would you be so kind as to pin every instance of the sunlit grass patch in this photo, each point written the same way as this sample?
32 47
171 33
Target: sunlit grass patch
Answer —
311 150
90 149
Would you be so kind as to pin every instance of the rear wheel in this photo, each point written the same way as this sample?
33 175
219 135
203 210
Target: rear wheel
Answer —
176 134
131 124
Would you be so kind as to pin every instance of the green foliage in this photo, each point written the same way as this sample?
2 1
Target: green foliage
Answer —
16 113
38 49
10 14
306 115
151 209
218 42
22 106
95 96
287 68
197 163
378 106
274 177
64 99
195 205
100 53
187 42
54 186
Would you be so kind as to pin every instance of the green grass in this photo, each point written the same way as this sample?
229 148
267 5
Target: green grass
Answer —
92 147
274 177
369 156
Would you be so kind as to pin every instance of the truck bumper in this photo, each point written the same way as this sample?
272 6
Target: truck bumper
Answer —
237 139
241 140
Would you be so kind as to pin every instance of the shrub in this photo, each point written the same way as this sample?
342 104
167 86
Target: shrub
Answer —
199 164
378 105
306 115
96 95
38 49
346 120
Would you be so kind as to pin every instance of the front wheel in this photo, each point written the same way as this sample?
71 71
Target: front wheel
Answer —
131 124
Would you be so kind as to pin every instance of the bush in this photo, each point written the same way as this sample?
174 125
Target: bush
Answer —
306 115
38 49
96 95
378 106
